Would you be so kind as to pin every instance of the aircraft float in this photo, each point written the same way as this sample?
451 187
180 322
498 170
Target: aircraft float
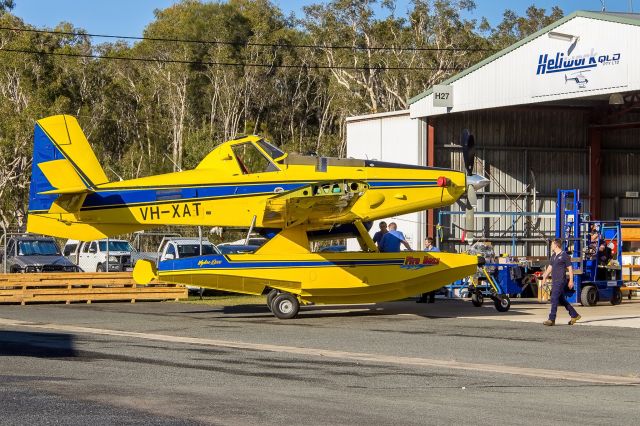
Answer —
247 182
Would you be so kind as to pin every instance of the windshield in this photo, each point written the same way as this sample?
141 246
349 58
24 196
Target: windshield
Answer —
274 152
115 246
232 249
251 160
37 247
190 250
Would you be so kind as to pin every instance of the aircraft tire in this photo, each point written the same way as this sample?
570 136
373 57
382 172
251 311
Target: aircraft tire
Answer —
477 299
285 306
270 296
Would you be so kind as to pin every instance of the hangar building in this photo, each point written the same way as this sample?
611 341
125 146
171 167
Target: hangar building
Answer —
560 109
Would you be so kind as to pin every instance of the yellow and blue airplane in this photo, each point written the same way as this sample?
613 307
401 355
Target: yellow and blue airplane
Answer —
249 182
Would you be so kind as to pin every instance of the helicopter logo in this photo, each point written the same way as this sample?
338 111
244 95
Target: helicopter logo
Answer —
578 77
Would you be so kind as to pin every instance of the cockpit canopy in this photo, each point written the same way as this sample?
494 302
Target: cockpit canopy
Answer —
246 155
256 157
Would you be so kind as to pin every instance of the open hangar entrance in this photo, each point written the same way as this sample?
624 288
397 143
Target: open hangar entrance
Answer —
557 110
528 154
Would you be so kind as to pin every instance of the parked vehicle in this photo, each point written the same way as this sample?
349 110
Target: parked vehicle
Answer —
92 256
29 253
333 249
254 240
237 248
181 248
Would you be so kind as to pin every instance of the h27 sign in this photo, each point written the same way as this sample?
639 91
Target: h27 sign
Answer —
443 95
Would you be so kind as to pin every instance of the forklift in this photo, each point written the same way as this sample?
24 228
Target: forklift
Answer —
595 247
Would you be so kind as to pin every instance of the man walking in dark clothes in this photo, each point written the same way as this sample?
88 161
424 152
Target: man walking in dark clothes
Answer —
377 237
560 263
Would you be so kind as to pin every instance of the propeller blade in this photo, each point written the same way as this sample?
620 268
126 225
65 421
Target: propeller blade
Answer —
471 195
469 218
468 150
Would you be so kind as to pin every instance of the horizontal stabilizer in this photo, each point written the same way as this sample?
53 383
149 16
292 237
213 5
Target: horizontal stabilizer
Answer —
67 191
48 225
63 176
67 203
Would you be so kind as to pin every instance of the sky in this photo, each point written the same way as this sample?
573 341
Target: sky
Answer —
129 17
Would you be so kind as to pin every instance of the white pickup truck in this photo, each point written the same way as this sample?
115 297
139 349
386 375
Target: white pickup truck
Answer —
181 248
92 256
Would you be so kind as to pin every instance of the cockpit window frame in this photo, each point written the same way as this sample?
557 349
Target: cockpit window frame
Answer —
267 148
271 166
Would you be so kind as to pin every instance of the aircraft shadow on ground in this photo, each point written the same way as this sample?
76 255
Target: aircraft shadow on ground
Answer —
38 345
454 309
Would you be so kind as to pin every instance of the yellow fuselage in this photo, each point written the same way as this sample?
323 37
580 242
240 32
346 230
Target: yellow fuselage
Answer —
218 193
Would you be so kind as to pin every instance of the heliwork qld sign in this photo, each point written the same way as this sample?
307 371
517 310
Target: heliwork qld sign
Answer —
557 72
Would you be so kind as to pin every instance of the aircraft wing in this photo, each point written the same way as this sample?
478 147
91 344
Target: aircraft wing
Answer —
322 200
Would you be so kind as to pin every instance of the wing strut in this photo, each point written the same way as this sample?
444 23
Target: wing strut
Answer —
365 240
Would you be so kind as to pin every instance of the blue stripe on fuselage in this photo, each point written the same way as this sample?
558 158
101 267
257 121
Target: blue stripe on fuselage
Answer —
223 262
138 196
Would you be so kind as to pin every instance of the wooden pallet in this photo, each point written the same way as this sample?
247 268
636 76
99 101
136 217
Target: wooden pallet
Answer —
83 287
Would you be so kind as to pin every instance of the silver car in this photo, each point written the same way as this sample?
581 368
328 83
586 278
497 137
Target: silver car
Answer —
36 254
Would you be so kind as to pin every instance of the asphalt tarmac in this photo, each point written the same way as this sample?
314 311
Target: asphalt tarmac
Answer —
396 363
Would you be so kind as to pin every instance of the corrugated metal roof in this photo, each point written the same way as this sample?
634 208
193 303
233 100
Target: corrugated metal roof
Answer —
622 18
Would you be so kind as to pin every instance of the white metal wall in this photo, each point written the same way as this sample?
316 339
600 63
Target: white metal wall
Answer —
392 137
512 78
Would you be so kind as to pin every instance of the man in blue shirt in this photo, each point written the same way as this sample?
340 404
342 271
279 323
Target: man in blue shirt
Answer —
429 297
377 237
558 267
391 241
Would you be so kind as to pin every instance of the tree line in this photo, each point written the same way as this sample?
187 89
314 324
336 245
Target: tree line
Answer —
204 72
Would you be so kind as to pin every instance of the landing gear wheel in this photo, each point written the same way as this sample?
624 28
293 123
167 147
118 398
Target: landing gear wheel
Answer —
616 298
589 296
502 304
477 299
270 296
285 306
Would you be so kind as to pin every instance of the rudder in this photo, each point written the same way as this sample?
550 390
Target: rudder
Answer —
64 165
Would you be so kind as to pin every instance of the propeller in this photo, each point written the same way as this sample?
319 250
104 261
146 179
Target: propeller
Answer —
468 143
474 183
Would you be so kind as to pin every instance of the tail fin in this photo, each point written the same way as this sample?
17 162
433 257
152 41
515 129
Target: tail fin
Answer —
64 169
